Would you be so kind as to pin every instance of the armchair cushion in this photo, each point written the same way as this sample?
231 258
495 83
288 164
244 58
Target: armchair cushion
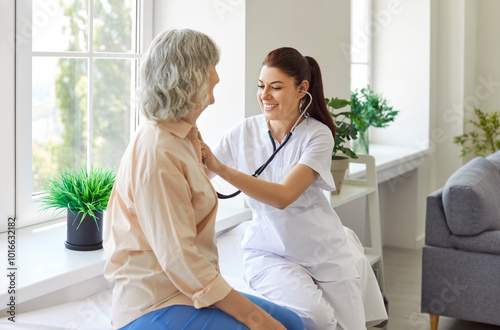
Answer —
487 242
471 198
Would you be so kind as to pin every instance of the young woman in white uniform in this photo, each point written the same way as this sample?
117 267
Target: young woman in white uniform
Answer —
295 250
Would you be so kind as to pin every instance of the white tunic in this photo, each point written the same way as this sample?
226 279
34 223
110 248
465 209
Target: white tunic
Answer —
308 232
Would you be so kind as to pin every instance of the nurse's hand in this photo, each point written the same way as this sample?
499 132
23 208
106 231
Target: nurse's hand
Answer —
208 157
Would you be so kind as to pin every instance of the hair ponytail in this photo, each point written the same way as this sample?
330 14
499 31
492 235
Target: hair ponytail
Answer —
318 109
291 62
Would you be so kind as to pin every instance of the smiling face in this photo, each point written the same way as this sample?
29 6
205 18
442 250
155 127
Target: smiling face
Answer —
278 94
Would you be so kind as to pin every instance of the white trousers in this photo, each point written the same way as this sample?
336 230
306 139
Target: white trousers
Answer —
321 305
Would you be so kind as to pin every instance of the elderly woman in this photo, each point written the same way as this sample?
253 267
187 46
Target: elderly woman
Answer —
159 236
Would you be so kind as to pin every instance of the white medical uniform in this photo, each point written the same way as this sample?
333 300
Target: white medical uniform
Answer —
299 256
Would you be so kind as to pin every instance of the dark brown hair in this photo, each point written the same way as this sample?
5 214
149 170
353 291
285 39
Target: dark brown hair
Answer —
292 63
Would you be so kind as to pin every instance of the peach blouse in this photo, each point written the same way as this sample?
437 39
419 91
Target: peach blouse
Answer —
159 232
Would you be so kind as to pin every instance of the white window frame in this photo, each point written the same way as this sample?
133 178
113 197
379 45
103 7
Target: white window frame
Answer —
26 206
7 112
357 44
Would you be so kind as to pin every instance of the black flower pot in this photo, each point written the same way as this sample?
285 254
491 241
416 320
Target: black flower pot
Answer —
84 236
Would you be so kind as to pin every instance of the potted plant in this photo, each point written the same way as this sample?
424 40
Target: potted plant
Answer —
344 131
486 139
374 111
84 194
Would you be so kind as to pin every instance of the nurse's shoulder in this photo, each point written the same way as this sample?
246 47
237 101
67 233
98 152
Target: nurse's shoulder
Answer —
248 127
316 129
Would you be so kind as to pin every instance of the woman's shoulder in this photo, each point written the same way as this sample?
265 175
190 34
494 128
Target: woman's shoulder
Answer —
314 123
317 128
255 121
153 140
249 124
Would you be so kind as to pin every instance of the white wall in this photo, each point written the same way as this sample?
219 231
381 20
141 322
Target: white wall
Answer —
246 31
454 63
319 28
401 69
485 42
224 21
465 73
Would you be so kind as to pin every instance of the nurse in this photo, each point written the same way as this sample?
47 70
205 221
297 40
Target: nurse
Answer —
159 236
295 250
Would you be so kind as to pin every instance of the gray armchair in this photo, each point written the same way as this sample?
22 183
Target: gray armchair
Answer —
461 256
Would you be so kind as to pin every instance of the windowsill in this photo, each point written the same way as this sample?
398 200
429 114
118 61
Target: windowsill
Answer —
44 265
390 161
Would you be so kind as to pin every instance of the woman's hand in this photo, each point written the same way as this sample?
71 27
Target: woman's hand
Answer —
264 323
246 312
278 195
208 157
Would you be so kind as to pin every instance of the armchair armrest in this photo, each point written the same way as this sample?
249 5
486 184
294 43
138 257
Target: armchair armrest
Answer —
437 232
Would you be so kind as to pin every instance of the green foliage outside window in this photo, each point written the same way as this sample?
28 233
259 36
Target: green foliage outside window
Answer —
111 93
485 139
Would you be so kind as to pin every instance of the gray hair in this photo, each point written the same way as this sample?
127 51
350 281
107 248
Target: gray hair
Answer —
175 74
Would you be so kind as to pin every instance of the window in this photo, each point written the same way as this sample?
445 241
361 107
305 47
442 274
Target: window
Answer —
76 68
361 42
7 127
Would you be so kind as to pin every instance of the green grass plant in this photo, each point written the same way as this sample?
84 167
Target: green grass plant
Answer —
82 191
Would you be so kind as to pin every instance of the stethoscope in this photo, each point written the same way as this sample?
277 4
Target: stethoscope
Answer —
275 150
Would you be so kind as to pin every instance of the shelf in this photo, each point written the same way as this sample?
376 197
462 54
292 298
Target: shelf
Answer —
361 187
373 258
350 193
392 161
229 217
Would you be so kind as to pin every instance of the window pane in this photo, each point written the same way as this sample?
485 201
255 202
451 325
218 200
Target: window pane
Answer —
360 38
113 25
112 100
59 25
359 76
59 116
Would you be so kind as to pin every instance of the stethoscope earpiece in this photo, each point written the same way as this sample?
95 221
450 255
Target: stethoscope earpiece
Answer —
308 105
